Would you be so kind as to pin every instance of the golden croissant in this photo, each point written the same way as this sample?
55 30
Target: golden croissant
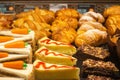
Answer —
92 37
113 24
66 35
113 10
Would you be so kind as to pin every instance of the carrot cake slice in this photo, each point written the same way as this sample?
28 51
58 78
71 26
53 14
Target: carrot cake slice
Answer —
18 47
13 69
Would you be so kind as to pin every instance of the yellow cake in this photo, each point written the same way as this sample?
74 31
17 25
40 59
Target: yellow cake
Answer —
57 46
49 56
46 71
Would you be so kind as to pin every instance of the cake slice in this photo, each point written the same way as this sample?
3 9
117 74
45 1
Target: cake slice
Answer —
11 57
46 71
19 34
57 46
18 48
98 67
29 34
97 53
49 56
27 73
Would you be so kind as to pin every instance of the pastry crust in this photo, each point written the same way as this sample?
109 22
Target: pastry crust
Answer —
72 22
92 37
68 12
66 35
113 24
113 10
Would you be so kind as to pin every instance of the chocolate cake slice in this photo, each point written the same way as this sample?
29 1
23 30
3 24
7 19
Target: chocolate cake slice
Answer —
98 67
97 53
94 77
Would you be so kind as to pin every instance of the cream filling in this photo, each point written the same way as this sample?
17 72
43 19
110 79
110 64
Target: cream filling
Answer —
27 38
13 57
24 73
9 33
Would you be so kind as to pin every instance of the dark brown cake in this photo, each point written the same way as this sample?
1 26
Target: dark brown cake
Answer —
97 53
94 77
102 68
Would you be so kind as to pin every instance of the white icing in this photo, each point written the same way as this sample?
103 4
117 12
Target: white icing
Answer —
9 33
47 65
13 56
87 18
23 73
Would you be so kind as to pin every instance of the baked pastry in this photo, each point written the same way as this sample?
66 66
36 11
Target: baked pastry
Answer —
112 10
91 16
39 15
91 66
57 46
91 25
6 21
48 15
72 22
97 53
53 57
46 71
68 12
66 35
112 23
92 37
26 74
59 25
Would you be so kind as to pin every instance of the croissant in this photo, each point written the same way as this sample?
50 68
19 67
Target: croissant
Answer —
91 25
72 22
113 10
66 35
47 15
91 16
113 24
59 24
92 37
68 12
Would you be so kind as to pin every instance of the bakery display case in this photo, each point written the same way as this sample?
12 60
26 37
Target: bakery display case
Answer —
59 40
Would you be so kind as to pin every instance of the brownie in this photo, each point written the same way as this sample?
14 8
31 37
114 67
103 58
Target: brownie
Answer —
98 67
97 53
94 77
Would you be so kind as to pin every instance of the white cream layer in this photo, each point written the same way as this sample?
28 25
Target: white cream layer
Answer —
9 33
13 56
24 73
